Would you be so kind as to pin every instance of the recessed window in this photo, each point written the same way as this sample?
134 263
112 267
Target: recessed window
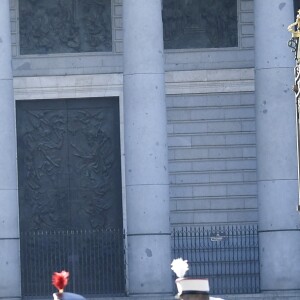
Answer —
200 24
65 26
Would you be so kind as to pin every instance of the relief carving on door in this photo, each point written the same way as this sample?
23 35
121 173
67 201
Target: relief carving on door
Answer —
69 167
66 26
200 24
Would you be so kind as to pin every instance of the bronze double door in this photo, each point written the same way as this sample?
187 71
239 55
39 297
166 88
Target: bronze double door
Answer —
69 165
70 197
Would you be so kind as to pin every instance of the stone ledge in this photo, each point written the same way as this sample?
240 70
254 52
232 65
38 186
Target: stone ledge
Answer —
288 295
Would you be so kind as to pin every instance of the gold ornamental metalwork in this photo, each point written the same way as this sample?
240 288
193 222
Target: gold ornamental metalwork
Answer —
293 43
294 28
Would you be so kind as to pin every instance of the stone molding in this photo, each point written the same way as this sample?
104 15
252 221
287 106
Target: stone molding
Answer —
77 86
210 81
102 85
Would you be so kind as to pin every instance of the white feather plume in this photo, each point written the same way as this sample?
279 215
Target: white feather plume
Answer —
179 266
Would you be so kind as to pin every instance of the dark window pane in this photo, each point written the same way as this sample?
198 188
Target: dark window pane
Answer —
200 24
65 26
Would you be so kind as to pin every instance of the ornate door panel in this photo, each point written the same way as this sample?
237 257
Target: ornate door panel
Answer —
69 164
70 195
68 26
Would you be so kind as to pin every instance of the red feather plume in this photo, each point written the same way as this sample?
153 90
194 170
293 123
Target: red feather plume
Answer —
60 280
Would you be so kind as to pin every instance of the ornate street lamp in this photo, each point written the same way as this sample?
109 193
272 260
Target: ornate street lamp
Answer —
293 43
294 28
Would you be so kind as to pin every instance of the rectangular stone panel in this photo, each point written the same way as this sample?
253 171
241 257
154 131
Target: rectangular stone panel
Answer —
10 266
200 24
68 26
69 164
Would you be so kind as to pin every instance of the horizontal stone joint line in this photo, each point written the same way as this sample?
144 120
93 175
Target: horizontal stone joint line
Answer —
280 290
133 74
148 234
160 293
276 179
271 68
148 184
278 230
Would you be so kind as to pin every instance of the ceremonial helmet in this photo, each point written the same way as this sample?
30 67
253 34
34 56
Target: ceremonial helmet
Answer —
60 280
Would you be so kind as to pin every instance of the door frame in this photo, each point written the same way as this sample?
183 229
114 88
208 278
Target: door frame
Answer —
80 86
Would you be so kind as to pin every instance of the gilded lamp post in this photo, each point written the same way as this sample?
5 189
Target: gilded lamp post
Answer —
293 43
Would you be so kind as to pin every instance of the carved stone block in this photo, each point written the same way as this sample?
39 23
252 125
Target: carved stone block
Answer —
200 24
65 26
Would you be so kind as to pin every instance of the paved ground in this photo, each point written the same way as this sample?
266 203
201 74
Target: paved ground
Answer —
291 295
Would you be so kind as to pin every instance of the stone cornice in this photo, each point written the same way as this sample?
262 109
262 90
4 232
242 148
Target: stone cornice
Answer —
51 87
101 85
210 81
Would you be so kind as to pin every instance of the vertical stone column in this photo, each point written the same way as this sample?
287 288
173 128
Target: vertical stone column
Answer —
146 159
10 285
279 221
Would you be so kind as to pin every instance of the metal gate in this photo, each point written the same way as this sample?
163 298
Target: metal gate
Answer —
69 171
228 256
94 258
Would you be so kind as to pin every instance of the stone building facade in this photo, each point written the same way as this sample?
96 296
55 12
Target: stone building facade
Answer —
206 122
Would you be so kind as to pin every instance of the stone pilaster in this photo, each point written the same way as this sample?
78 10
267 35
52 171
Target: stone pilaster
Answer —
10 287
146 159
279 221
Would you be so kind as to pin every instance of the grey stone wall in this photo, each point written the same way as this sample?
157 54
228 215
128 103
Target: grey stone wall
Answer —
241 56
212 158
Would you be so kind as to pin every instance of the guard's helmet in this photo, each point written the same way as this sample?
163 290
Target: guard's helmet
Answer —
67 296
60 280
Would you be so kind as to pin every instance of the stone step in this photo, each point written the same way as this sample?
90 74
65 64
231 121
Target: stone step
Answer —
286 295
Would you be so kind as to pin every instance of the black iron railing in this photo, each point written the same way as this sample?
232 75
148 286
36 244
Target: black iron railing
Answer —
228 256
94 258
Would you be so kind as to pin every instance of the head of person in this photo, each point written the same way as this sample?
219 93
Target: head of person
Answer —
60 281
192 289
